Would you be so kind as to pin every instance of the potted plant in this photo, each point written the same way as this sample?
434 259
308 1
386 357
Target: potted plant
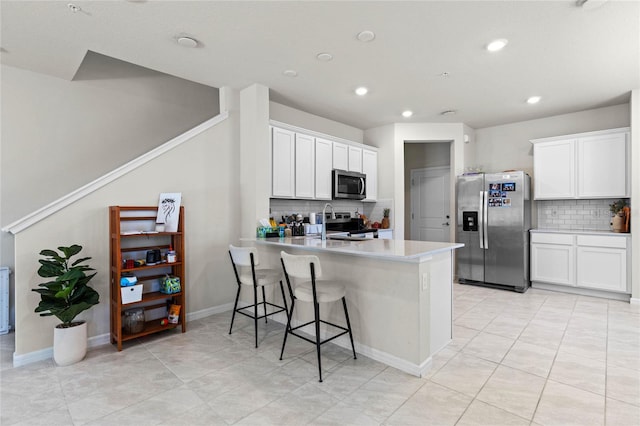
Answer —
65 297
385 218
620 212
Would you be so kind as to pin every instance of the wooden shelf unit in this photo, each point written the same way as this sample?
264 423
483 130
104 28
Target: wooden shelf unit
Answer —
124 246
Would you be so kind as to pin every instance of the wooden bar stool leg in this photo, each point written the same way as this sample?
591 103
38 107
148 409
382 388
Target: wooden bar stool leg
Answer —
346 314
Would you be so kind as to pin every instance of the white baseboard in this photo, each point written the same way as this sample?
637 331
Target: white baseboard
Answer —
343 341
104 339
634 301
203 313
418 370
35 356
47 353
581 291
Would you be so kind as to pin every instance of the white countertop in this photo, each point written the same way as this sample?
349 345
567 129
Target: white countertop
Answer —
396 250
580 232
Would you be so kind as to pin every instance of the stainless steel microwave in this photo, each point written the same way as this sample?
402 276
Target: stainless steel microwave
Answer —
348 185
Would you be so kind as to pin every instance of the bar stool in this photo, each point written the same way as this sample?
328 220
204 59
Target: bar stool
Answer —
245 257
307 267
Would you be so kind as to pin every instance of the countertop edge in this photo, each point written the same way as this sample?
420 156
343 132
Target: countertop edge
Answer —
580 232
412 258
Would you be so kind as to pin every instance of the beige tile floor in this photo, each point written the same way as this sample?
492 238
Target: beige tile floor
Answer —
539 358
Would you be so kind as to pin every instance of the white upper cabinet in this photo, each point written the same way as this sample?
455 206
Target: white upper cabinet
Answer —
370 168
554 169
603 168
305 166
586 165
355 159
283 166
340 156
324 164
302 162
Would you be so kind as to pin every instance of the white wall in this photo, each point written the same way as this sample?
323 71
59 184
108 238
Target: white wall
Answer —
203 169
255 167
58 135
316 123
383 138
635 194
507 147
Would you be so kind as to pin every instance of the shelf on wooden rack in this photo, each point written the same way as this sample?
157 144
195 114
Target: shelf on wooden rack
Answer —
150 327
145 267
151 296
149 234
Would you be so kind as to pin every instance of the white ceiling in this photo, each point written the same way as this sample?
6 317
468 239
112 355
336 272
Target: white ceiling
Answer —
575 58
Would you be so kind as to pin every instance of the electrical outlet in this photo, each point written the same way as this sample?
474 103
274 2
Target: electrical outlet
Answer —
554 212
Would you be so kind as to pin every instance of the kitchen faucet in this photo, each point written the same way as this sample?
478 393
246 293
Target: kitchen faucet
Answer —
324 219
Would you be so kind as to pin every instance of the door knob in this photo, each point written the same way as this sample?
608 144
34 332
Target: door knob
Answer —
446 224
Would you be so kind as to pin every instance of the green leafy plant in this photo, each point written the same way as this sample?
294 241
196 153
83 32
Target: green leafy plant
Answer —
617 206
67 295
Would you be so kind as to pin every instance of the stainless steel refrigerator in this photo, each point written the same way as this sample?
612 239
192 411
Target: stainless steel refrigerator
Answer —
493 221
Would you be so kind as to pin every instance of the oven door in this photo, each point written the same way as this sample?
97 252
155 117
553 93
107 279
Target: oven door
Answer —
348 185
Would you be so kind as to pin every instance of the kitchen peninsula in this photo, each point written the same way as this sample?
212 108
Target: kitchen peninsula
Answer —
399 293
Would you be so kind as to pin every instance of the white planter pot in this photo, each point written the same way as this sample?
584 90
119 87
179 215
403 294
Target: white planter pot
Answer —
70 344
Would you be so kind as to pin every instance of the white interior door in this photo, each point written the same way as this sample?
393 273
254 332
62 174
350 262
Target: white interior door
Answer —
430 216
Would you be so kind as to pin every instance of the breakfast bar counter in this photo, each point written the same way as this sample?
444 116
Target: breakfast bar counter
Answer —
399 293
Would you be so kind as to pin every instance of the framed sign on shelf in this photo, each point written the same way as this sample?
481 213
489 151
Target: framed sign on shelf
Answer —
169 210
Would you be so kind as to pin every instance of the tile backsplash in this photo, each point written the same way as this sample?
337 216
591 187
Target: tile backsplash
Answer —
587 215
281 207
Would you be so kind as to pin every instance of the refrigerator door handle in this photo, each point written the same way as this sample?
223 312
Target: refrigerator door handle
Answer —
485 221
480 215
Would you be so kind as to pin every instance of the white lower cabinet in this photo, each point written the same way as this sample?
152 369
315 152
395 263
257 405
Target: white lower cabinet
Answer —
602 262
595 262
552 259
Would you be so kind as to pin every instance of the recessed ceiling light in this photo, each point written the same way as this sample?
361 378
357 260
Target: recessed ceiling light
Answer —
366 36
324 57
407 113
445 74
448 112
72 7
187 41
497 45
361 91
533 100
290 73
